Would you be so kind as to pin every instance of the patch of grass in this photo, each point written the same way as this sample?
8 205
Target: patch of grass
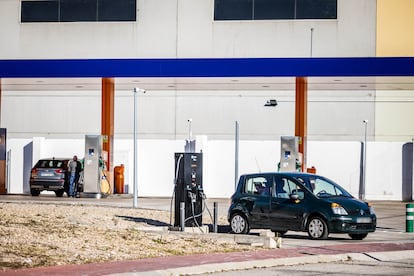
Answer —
160 240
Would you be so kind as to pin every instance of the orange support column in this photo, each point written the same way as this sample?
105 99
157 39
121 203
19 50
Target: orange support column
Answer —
301 116
107 124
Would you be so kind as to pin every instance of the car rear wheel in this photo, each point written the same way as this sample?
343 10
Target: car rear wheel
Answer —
239 224
59 193
317 228
34 192
358 236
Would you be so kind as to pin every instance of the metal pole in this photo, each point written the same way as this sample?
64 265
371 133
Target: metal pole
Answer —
364 161
136 90
215 212
236 157
411 196
190 131
135 149
311 43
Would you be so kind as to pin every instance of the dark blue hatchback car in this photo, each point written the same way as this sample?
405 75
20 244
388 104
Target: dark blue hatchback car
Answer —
298 202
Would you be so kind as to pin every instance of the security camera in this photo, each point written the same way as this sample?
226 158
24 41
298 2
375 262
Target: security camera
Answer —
190 120
271 102
136 90
365 121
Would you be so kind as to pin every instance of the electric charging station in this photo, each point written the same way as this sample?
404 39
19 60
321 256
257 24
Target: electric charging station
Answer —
189 188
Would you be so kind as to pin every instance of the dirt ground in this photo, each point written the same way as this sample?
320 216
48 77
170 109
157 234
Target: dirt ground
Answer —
33 235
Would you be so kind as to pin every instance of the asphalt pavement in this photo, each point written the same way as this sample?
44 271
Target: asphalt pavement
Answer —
389 241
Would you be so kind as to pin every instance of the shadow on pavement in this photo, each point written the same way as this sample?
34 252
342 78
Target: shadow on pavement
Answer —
144 220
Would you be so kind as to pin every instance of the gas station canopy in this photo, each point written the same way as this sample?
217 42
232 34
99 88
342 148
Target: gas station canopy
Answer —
211 67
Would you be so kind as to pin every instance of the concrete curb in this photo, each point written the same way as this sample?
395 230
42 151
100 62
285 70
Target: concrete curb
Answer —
266 263
265 238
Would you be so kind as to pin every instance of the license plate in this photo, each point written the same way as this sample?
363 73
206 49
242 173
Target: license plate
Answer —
46 174
364 220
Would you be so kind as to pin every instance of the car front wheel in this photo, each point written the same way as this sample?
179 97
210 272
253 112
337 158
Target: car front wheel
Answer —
317 228
239 224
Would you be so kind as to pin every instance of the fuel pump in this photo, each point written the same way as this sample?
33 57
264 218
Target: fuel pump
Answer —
92 170
290 158
189 188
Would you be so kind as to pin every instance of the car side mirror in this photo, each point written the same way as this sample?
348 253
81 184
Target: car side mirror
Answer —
294 196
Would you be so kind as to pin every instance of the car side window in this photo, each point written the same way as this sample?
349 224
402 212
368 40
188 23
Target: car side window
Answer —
291 188
279 189
256 185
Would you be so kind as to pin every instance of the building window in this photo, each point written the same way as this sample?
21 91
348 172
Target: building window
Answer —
274 9
233 9
268 9
40 11
115 10
316 9
78 10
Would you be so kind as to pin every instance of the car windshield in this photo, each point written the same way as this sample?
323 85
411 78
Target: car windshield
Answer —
322 187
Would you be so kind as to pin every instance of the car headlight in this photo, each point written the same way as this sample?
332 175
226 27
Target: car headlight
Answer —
371 209
338 209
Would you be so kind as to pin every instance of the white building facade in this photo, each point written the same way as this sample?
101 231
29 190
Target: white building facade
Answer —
56 114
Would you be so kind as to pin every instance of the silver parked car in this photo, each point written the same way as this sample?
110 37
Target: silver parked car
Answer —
50 174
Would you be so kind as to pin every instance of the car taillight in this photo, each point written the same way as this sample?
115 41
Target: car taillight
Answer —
59 171
34 172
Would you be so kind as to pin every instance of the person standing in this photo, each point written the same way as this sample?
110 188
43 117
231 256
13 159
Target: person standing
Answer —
74 168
